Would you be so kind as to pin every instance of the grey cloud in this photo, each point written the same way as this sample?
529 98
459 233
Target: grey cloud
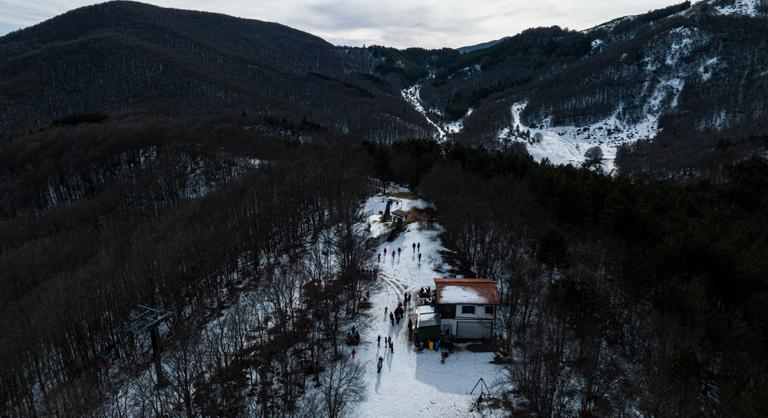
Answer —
399 23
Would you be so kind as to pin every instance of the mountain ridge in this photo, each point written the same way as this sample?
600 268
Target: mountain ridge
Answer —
669 69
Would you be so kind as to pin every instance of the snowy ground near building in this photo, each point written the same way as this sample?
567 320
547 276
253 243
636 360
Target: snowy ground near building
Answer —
412 383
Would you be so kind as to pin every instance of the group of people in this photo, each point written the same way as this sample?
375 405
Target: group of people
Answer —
353 338
387 343
416 248
396 315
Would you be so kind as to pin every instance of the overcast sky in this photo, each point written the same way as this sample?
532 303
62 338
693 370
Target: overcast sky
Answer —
398 23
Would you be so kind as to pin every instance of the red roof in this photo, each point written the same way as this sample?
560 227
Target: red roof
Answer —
400 213
485 289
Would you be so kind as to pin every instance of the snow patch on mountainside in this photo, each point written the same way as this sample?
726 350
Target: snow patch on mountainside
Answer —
738 7
706 68
681 46
668 61
568 144
609 26
434 117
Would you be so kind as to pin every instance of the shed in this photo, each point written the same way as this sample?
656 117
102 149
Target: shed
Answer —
398 218
428 324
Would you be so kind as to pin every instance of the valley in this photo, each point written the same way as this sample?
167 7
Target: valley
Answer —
207 215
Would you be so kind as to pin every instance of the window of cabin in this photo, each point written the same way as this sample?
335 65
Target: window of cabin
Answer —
489 310
468 309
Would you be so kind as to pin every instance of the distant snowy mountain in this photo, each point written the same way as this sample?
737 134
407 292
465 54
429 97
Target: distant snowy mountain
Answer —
686 70
751 8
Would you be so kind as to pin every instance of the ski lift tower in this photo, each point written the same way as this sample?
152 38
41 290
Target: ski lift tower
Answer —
146 322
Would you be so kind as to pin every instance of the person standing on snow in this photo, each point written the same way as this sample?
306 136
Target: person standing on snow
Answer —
379 364
391 347
353 353
378 341
392 318
414 247
418 246
379 254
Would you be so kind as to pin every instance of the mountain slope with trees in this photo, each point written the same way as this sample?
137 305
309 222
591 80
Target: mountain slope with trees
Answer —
125 58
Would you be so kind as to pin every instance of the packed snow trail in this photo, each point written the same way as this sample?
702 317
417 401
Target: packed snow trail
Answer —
412 383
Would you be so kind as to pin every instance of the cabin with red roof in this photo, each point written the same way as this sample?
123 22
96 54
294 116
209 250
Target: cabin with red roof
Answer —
398 218
467 307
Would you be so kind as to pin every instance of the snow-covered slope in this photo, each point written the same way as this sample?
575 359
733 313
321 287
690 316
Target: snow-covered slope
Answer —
434 117
669 62
736 7
412 383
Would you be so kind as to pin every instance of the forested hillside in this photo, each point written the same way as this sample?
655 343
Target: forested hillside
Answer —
204 219
624 297
126 58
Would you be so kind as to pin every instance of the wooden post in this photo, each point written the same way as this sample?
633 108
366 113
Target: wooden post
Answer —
161 380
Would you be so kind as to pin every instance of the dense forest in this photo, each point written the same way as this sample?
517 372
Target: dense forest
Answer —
235 231
624 296
620 294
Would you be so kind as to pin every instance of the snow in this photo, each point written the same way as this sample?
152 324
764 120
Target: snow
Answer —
706 68
466 72
609 26
412 95
427 319
425 309
461 294
738 7
567 144
412 383
669 61
682 45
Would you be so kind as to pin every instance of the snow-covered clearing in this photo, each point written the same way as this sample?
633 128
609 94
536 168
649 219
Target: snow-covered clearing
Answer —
567 144
412 383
